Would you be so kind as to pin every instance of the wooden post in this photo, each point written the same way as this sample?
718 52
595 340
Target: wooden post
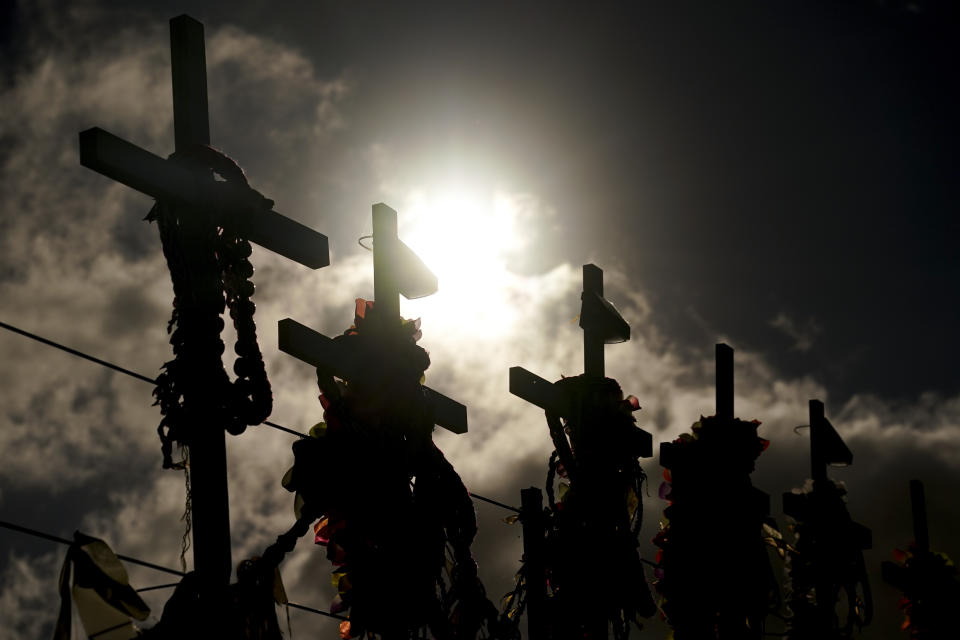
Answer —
918 503
724 357
188 66
210 503
593 340
531 515
385 288
818 462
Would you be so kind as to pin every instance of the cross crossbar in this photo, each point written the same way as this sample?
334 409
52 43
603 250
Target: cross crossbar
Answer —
316 349
543 393
162 179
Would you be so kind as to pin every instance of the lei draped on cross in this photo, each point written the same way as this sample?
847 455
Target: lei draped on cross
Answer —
931 592
394 516
824 563
595 513
210 270
714 576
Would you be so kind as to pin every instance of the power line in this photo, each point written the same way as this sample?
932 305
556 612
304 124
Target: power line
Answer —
143 563
143 378
47 536
79 354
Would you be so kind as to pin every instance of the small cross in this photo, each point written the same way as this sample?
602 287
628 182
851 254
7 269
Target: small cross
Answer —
397 270
602 324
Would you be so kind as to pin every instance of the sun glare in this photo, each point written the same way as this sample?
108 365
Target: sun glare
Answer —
465 238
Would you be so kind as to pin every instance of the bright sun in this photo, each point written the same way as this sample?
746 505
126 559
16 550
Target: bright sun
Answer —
465 238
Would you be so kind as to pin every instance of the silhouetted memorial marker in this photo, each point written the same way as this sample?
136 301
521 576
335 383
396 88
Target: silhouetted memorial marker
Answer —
397 271
598 446
186 181
828 552
714 521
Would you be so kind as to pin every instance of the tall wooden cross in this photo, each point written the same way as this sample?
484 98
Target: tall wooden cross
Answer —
602 324
828 529
195 187
397 271
896 574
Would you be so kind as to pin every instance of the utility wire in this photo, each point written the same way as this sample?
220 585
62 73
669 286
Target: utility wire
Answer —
140 376
47 536
143 563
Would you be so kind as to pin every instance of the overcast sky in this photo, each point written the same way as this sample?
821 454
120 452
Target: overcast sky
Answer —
779 175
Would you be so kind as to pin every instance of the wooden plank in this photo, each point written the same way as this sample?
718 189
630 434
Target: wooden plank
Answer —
447 413
188 66
724 356
593 339
534 559
538 391
162 179
137 168
322 352
918 505
386 292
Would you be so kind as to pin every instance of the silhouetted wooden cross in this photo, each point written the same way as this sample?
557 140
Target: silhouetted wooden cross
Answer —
827 525
602 324
896 574
397 271
179 183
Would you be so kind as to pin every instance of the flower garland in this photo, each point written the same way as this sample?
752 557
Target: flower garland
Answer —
210 270
931 592
714 509
825 560
391 511
594 571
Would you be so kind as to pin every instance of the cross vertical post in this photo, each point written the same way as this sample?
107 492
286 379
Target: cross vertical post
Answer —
385 288
188 66
531 516
818 463
208 455
593 340
918 504
724 357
